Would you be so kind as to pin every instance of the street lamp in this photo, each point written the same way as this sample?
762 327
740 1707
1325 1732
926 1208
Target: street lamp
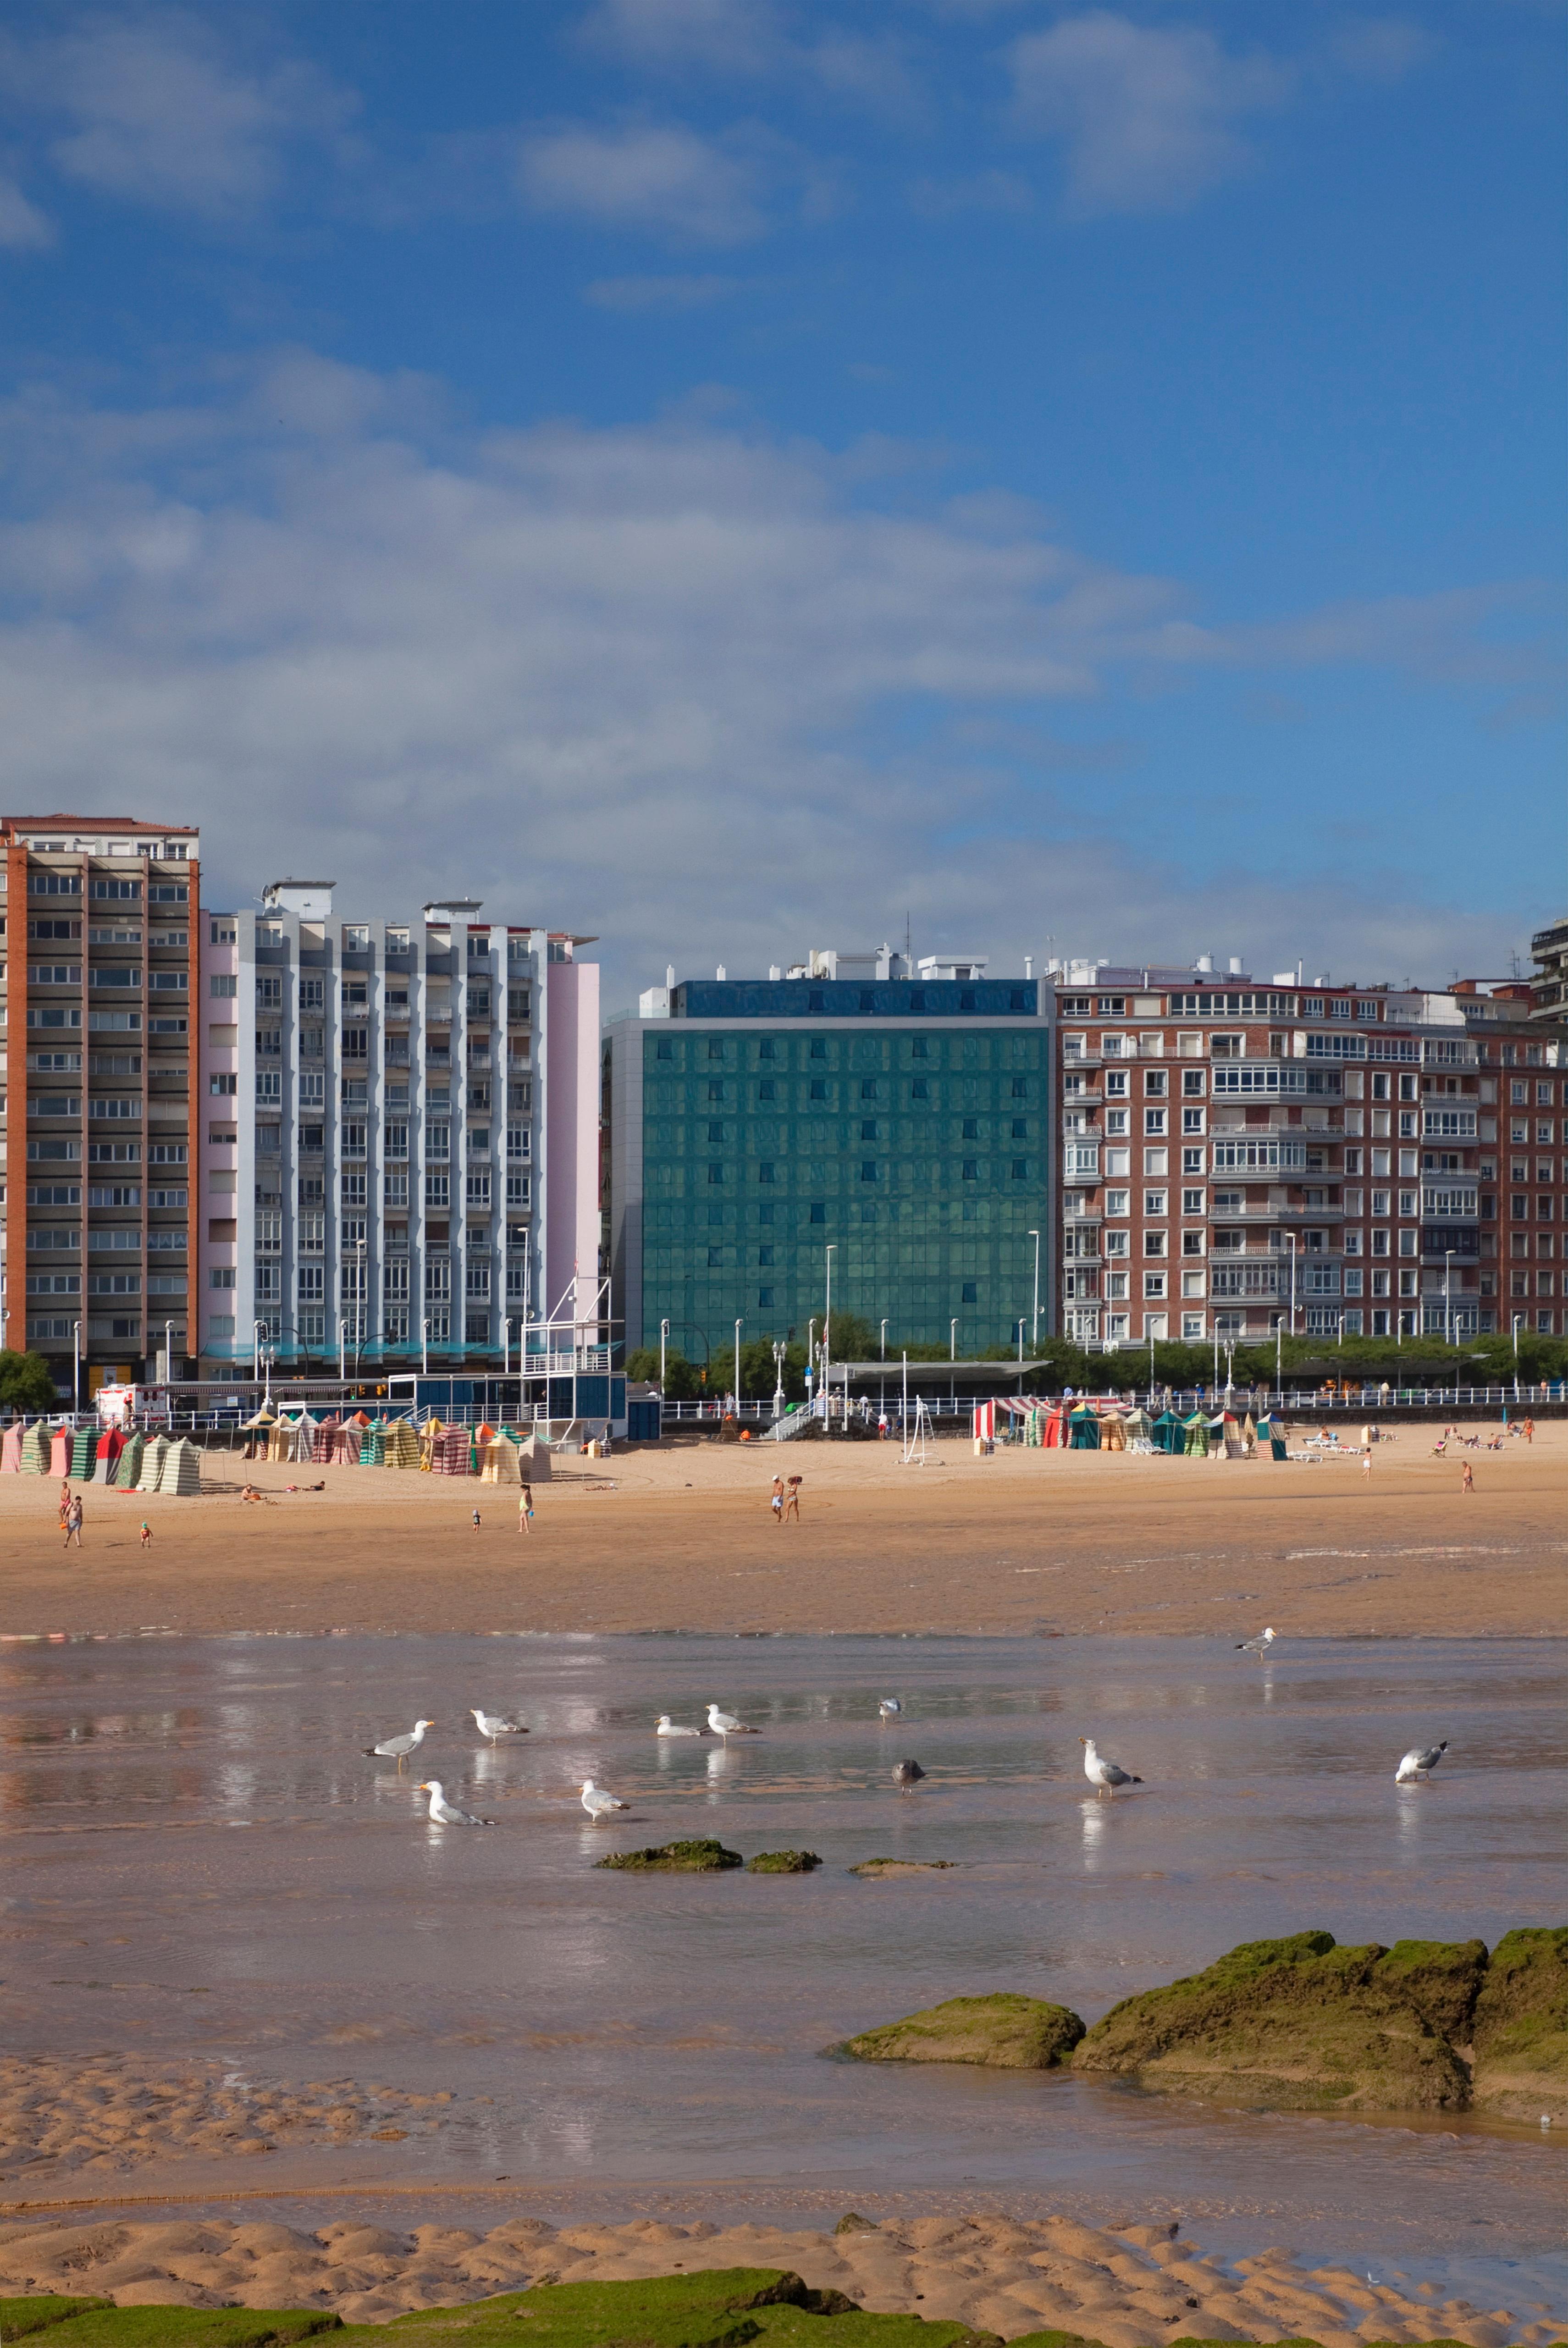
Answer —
425 1346
738 1365
1290 1239
1447 1315
1517 1319
1034 1331
885 1341
168 1353
827 1323
780 1353
811 1362
76 1367
506 1345
663 1348
1021 1319
953 1341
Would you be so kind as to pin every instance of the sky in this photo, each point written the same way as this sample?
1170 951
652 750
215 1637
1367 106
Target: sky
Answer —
732 476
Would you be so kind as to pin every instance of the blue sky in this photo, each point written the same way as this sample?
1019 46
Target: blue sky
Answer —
728 475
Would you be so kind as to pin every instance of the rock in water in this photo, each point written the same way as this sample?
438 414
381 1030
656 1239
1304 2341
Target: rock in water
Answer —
1005 2032
700 1858
1300 2025
1521 2028
782 1862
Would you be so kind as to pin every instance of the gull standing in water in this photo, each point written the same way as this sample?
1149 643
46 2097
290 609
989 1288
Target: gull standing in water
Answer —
598 1803
668 1727
446 1814
889 1709
906 1774
726 1724
397 1748
1104 1775
1256 1647
497 1724
1419 1761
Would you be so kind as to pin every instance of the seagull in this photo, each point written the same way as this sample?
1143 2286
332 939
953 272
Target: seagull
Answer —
446 1814
598 1803
890 1707
1420 1760
1104 1775
668 1727
397 1748
726 1725
907 1774
1256 1647
497 1724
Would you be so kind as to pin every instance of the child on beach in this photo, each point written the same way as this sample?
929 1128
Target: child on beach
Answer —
476 1520
146 1534
525 1508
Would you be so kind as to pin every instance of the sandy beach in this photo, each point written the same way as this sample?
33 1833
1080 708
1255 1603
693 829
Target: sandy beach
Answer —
1129 2286
680 1537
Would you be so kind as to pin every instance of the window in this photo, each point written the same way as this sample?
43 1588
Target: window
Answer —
818 1050
1116 1084
1191 1243
971 1129
764 1255
1155 1162
1193 1083
1154 1202
818 1088
1192 1202
819 1211
1020 1169
919 1048
1020 1128
1154 1120
1153 1283
1154 1083
971 1292
715 1133
764 1048
715 1088
438 1191
765 1090
765 1171
663 1048
868 1088
869 1171
715 1173
765 1296
971 1169
1192 1121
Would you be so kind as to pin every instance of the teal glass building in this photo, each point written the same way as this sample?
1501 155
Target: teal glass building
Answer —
903 1121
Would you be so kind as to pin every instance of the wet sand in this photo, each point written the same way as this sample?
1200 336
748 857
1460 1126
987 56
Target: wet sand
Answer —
1131 2287
680 1538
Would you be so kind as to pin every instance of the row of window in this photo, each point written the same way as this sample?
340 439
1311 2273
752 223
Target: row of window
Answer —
872 1170
105 1283
108 1153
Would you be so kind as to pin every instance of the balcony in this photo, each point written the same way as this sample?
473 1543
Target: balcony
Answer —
1080 1163
1078 1094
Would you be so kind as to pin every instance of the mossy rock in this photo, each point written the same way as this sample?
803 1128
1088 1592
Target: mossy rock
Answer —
101 2325
704 1856
1003 2031
1521 2030
783 1862
876 1867
1302 2024
727 2309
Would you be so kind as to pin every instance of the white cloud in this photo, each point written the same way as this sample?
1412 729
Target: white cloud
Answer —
662 180
753 39
23 226
159 110
649 681
1148 115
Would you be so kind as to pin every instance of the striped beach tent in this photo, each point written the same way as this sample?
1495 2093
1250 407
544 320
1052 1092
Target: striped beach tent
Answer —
128 1466
11 1450
181 1469
152 1463
60 1452
84 1455
449 1452
402 1444
36 1449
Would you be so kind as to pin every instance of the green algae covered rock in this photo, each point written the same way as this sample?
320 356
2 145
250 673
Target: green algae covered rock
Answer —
20 2319
1302 2024
873 1867
783 1862
703 1856
1003 2031
1520 2028
727 2309
102 2325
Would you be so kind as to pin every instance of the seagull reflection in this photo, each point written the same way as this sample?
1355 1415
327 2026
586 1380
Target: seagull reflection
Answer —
1094 1815
717 1761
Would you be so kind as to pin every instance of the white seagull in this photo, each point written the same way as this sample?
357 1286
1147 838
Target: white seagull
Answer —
668 1727
726 1724
446 1814
1104 1775
397 1748
889 1708
598 1803
1420 1760
497 1724
1256 1647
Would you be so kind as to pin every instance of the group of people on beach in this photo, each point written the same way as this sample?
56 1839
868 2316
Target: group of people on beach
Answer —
784 1500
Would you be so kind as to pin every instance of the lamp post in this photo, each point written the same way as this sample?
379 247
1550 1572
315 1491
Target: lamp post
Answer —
425 1345
1341 1337
828 1320
168 1353
1035 1328
738 1365
885 1341
505 1346
953 1341
1021 1318
1447 1315
664 1349
1517 1319
1290 1238
76 1367
811 1362
1279 1371
780 1353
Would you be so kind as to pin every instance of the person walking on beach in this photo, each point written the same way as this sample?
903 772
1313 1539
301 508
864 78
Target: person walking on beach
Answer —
146 1534
792 1507
1366 1466
1466 1477
65 1501
776 1499
1529 1430
476 1520
73 1522
525 1508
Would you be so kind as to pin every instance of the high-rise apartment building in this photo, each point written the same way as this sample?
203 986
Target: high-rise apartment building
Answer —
95 989
898 1115
399 1144
1549 949
1239 1155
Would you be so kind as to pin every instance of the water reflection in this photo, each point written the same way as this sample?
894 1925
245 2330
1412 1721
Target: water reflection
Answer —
634 2026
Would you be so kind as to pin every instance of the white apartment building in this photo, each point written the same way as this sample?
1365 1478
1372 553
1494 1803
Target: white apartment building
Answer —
399 1152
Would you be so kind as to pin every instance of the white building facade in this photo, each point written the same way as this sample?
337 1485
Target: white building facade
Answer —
399 1153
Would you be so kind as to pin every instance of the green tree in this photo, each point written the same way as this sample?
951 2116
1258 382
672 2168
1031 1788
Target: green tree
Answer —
26 1383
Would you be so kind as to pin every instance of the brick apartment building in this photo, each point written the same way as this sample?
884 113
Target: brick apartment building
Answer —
1239 1155
96 985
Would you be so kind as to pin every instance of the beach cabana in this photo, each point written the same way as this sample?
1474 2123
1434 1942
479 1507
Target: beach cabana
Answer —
498 1464
401 1444
128 1466
533 1460
84 1455
1270 1430
1167 1433
152 1459
1112 1431
60 1452
1084 1430
11 1450
110 1444
181 1469
449 1452
1196 1445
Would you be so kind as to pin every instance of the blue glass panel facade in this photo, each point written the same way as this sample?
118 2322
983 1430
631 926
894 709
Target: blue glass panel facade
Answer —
918 1151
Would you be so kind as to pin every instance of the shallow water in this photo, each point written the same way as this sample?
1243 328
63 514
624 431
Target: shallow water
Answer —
199 1860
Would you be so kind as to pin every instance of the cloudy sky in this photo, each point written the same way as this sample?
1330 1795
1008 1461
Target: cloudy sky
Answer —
732 475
